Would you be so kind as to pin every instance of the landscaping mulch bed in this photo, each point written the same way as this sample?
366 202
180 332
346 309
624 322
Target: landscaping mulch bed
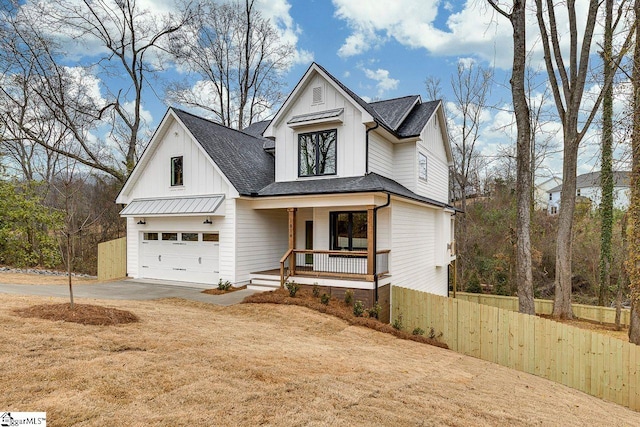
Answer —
85 314
221 291
338 309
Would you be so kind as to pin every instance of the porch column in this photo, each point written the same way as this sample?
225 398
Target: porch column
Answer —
370 240
292 239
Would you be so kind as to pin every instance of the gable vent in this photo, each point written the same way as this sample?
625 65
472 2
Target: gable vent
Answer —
318 95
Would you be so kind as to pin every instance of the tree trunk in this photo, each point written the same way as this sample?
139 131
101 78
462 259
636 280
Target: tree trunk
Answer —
634 325
606 168
562 301
633 237
623 277
524 276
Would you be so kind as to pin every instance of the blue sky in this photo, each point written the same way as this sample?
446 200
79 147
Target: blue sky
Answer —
387 48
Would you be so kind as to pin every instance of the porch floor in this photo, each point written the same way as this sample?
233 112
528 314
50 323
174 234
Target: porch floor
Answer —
307 272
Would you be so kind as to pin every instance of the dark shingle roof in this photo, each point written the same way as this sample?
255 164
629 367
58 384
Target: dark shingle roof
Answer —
417 119
395 110
592 179
257 128
240 156
357 184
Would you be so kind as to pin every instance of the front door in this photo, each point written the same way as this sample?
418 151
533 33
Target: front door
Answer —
308 241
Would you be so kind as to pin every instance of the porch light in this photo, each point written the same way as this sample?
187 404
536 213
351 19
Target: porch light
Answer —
207 221
142 222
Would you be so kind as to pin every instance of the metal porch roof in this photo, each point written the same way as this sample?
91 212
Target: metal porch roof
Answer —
173 206
327 114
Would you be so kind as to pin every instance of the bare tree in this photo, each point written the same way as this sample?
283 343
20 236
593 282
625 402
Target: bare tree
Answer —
567 81
240 58
633 230
128 41
524 276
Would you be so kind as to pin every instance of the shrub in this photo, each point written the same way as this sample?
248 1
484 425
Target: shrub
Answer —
325 299
358 308
316 290
293 288
418 331
348 297
433 335
374 312
224 286
473 285
397 323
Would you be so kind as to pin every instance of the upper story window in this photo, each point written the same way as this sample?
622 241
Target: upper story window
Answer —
176 171
550 196
422 166
578 192
317 153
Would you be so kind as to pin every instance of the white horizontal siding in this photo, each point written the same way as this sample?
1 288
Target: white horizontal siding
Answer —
261 239
380 155
405 164
133 245
432 145
413 249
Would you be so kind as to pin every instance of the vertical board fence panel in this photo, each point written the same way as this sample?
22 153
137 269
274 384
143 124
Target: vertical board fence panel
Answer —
596 364
112 259
586 312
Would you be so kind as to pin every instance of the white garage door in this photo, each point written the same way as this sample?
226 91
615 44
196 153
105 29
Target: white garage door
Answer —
185 257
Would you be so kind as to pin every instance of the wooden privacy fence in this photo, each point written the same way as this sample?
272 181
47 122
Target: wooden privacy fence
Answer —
543 306
112 259
596 364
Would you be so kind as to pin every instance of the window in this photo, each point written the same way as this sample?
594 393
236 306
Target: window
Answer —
422 166
317 153
150 236
189 237
176 171
550 196
348 231
169 236
210 237
578 192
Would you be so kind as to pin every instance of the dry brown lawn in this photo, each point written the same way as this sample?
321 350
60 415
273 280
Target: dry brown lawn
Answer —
42 279
188 363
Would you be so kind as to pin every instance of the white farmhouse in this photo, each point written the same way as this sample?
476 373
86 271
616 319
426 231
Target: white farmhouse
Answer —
588 187
332 191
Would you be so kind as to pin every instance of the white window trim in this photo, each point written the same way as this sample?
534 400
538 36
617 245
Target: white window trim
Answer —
426 163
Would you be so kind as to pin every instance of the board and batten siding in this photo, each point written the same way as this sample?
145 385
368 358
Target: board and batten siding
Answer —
413 246
200 175
350 146
261 239
380 155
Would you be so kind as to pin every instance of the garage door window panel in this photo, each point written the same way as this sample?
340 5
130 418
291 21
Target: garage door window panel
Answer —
189 237
169 236
210 237
150 236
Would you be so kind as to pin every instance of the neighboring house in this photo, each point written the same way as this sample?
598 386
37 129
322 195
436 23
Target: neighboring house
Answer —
588 187
541 192
337 191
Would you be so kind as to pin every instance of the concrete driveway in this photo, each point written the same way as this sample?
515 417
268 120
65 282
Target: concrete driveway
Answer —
129 290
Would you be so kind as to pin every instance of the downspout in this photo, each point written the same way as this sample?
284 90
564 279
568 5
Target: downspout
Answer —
366 148
375 243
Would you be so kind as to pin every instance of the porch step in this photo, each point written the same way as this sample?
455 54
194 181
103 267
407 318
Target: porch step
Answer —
263 284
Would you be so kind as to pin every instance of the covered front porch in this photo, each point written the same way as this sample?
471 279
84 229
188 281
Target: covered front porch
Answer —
332 243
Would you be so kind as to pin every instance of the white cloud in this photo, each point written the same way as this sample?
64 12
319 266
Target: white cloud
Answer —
475 30
384 81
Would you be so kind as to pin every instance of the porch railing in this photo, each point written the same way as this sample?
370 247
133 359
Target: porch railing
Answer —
343 264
